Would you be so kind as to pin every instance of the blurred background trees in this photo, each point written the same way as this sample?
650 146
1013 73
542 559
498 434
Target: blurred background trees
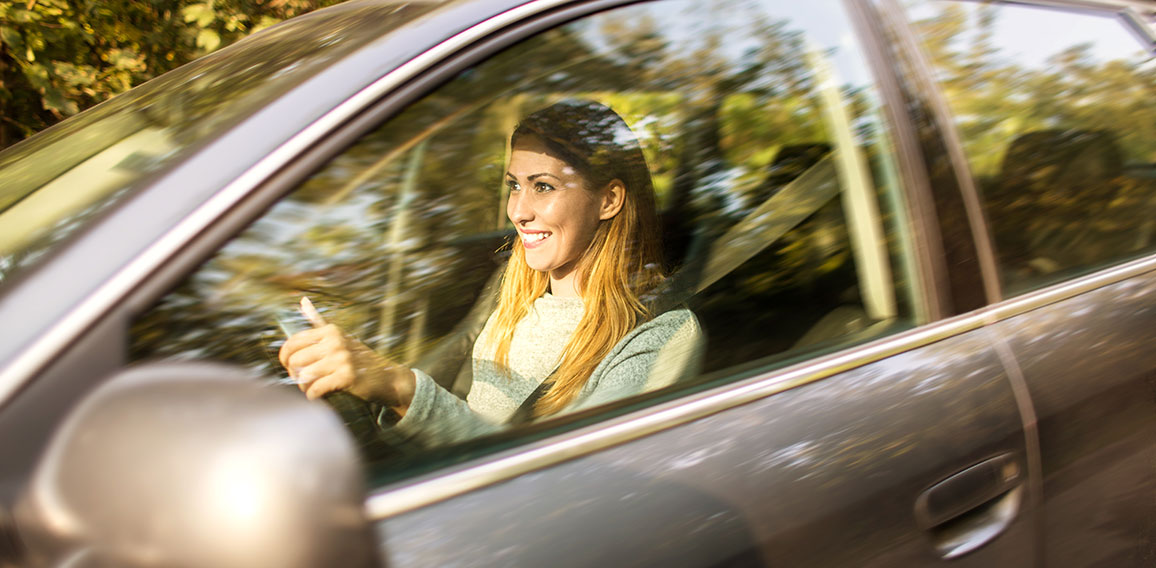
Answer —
59 57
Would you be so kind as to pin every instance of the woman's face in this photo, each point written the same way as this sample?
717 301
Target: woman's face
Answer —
554 207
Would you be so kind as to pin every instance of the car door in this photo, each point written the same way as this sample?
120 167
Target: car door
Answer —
1063 169
841 417
844 414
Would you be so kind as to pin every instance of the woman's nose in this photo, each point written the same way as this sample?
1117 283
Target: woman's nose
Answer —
519 209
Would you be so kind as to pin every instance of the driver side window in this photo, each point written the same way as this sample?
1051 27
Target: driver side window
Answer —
775 189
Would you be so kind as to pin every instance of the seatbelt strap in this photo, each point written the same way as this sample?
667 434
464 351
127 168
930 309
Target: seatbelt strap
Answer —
525 412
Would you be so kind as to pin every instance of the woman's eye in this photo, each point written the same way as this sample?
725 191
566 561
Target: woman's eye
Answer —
512 185
543 187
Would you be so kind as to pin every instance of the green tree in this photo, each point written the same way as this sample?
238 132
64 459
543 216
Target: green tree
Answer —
59 57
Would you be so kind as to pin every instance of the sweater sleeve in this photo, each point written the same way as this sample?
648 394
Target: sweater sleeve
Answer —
437 416
661 352
655 354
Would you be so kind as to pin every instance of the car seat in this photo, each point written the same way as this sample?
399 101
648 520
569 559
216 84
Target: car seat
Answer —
1048 202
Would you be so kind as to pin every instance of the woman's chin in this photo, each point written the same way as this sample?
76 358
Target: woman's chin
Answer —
549 266
540 266
540 262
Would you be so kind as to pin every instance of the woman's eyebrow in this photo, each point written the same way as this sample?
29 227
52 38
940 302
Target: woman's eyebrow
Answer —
533 177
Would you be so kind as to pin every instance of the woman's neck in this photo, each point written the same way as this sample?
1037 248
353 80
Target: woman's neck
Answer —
566 286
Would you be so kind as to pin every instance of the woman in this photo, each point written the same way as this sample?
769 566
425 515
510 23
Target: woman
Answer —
572 327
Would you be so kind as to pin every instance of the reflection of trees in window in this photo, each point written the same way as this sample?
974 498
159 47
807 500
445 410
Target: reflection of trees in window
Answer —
995 95
1063 145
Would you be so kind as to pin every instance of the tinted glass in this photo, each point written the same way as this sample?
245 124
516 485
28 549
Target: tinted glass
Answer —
1059 129
778 206
52 183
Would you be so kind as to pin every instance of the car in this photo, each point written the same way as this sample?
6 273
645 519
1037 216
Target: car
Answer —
919 237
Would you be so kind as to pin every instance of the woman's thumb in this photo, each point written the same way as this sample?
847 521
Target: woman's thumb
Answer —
311 313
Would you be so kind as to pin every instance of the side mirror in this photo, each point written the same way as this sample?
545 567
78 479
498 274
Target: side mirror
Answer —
196 465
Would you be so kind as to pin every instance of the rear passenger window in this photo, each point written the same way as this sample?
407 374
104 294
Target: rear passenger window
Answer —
777 200
1059 129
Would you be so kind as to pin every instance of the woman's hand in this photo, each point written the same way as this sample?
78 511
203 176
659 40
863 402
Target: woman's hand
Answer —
324 359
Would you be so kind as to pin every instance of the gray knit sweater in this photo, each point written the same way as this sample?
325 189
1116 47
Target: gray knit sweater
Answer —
655 354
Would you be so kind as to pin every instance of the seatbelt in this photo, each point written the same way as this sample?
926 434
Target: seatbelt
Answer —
789 207
525 413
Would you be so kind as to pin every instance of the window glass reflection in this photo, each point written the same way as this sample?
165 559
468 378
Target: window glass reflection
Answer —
1059 130
776 232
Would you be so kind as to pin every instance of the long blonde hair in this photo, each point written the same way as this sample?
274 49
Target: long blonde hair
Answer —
622 263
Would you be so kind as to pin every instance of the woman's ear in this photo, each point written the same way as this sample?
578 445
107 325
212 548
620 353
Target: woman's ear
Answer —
613 196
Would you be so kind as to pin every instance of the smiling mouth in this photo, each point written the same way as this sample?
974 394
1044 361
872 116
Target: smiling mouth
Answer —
531 240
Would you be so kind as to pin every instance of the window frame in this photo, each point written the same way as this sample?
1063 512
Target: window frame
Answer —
920 89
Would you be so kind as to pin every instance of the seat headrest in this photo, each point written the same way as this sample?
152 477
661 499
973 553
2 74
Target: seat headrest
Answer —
1043 160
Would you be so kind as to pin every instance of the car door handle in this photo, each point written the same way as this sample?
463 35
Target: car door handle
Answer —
970 508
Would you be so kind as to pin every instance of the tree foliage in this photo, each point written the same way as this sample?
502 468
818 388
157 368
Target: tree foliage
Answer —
59 57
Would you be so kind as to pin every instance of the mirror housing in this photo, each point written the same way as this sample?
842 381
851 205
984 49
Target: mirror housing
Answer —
194 464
